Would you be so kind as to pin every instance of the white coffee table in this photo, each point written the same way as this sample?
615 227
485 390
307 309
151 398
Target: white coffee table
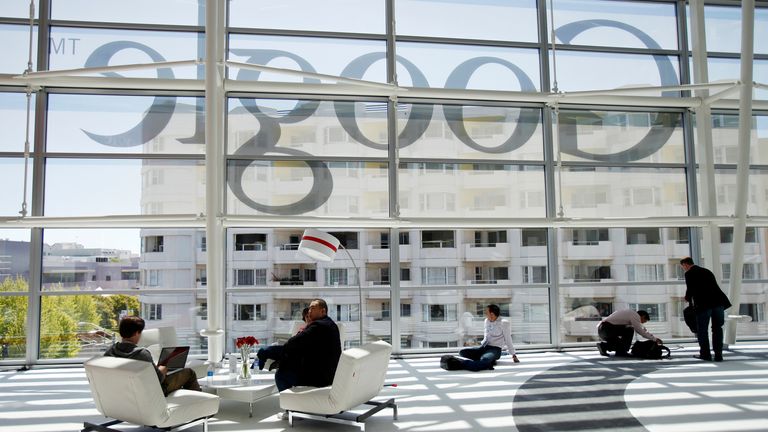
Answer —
229 387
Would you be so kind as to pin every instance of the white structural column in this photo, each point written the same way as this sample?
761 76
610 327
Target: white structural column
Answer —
742 169
704 151
214 172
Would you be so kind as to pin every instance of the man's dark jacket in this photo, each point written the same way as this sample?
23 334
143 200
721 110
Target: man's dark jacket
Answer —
313 353
703 290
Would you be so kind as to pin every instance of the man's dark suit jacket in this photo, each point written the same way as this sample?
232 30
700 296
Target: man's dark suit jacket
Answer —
703 290
313 353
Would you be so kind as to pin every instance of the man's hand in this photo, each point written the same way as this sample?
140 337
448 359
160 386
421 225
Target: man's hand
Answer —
659 341
163 369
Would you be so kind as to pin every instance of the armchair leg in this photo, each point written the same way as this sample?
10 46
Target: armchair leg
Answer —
103 427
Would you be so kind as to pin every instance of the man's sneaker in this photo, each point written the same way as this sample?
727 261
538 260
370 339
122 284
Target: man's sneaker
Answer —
515 359
718 358
601 348
282 415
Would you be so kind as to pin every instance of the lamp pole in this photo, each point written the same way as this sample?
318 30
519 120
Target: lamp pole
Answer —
359 294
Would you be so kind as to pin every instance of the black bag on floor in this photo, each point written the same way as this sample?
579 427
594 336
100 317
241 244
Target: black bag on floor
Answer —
689 315
648 349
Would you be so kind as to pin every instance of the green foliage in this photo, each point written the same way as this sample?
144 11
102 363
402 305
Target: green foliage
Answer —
63 319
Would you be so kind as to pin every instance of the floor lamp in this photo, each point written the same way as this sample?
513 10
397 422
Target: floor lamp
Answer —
321 246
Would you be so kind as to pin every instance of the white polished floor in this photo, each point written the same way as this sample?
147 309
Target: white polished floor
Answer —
548 391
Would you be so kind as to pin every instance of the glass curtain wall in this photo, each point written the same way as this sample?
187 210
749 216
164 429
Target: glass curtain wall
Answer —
471 171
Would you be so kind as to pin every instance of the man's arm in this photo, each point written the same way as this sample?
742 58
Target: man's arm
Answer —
641 330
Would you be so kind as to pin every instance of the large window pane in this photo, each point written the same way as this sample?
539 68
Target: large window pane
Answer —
468 67
77 187
623 192
124 124
622 24
174 12
14 284
17 8
577 71
308 127
73 48
347 16
13 121
727 69
725 140
490 20
307 54
726 189
14 53
430 189
12 181
723 26
309 188
466 131
616 136
448 318
91 259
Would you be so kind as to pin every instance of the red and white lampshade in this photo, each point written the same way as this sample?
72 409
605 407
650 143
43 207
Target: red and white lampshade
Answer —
318 245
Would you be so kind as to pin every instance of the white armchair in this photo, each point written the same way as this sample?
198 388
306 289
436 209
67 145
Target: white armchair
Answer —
129 391
359 378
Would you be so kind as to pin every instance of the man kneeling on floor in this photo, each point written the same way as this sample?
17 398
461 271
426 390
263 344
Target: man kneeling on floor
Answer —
496 336
617 330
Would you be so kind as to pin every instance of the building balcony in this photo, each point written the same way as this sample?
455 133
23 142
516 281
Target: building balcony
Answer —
291 282
377 253
438 250
675 249
289 253
487 282
487 252
589 291
655 250
588 250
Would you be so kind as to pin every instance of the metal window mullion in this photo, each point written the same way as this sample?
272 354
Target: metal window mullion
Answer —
551 211
394 193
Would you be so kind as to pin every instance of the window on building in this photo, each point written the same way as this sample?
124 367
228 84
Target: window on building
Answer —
534 237
344 312
244 277
534 274
153 244
347 239
438 275
431 344
405 238
645 272
726 235
202 311
749 271
203 243
755 310
260 277
339 276
657 312
405 310
590 272
385 311
405 274
437 239
588 236
640 236
681 235
154 277
439 312
152 311
250 312
250 242
535 312
489 238
480 308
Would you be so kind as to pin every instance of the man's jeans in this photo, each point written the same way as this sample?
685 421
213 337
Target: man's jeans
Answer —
703 316
481 358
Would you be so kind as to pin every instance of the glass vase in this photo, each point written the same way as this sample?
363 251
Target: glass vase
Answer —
245 367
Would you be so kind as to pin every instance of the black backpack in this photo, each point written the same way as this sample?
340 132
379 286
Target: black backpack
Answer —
648 349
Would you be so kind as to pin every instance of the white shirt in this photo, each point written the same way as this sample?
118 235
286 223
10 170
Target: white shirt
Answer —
497 333
629 318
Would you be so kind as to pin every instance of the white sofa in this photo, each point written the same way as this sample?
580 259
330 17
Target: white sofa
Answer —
359 378
129 391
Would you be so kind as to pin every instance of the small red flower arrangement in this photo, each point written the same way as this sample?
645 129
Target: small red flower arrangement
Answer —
248 341
244 344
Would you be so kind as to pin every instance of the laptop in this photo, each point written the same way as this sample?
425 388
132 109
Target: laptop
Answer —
174 358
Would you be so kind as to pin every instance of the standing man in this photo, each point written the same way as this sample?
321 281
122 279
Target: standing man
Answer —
710 302
310 357
617 330
130 330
